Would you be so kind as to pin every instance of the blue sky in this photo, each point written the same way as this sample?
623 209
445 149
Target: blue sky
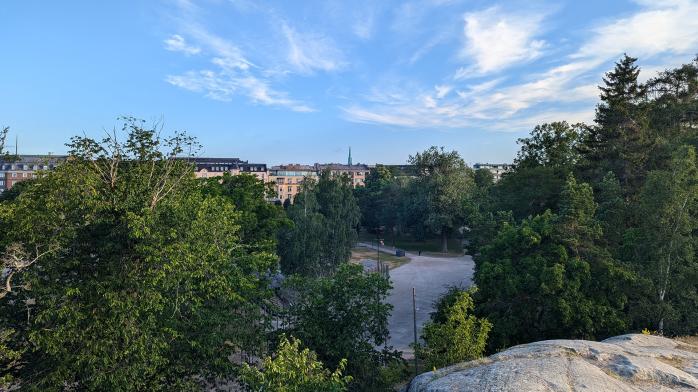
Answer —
300 81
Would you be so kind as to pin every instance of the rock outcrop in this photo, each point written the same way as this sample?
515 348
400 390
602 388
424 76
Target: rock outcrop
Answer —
622 363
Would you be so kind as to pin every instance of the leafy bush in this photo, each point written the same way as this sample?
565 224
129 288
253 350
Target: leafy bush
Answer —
293 369
454 334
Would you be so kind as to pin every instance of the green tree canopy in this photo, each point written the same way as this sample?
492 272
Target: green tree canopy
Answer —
547 277
125 275
442 189
665 244
345 316
325 217
293 369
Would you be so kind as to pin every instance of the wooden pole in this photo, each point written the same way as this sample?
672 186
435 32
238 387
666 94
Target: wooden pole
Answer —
414 319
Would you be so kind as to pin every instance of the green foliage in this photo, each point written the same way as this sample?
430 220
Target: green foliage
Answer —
454 334
542 165
441 191
665 243
9 358
620 140
547 277
259 219
529 191
370 197
552 145
129 276
293 369
483 178
345 316
325 217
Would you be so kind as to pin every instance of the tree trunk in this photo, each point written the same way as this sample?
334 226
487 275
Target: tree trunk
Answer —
444 241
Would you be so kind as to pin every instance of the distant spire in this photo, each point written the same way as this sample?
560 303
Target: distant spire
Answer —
349 160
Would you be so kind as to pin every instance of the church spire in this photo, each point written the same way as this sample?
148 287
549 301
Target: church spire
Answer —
349 160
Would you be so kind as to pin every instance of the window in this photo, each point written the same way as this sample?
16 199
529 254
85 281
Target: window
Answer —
290 188
14 175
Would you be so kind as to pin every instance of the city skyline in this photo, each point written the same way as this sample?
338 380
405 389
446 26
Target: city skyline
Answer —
301 83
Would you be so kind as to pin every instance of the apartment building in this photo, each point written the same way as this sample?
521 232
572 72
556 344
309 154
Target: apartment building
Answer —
356 173
288 179
216 167
497 169
24 168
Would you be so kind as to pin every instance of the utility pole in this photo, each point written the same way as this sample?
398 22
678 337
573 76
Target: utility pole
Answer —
414 319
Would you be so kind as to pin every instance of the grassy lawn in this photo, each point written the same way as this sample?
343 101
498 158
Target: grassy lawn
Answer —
430 246
359 253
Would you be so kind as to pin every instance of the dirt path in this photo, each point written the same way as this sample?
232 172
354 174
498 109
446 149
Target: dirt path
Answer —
430 276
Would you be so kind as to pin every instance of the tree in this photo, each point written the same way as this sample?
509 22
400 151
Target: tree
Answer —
619 142
325 216
548 278
370 197
454 334
612 212
541 168
294 370
127 275
345 316
442 188
3 137
665 242
259 219
9 359
529 191
551 145
483 178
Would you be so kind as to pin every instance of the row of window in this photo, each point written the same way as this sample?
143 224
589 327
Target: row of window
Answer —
20 175
14 166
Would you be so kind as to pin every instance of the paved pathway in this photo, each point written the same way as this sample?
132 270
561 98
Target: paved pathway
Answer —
430 276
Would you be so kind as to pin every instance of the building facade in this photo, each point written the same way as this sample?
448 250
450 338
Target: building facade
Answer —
288 179
25 167
497 169
216 167
356 173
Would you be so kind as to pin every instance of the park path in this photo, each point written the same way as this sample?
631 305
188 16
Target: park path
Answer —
430 276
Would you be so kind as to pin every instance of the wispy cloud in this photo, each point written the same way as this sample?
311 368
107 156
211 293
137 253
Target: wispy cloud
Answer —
231 73
662 27
223 85
176 43
496 39
310 52
365 24
659 33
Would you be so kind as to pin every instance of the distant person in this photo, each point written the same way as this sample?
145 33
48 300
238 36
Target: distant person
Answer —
419 252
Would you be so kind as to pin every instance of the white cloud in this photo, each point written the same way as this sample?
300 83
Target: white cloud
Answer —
364 25
662 33
496 40
309 52
223 85
233 74
663 27
442 90
176 43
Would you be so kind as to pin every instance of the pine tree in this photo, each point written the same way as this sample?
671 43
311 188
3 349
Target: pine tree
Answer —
619 141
